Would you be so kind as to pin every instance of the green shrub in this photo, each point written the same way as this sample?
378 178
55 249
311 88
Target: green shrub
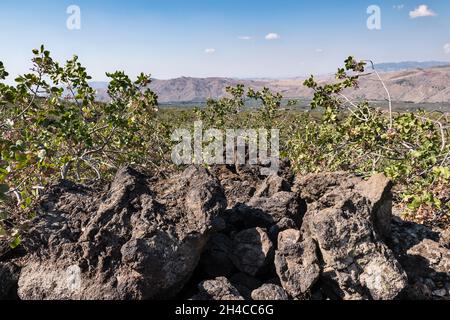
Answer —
52 128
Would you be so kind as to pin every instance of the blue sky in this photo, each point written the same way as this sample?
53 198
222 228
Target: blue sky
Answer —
171 38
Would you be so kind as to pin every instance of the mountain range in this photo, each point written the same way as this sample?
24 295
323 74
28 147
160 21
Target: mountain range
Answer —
407 65
415 82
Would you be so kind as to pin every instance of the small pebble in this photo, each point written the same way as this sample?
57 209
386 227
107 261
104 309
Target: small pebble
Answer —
430 284
440 293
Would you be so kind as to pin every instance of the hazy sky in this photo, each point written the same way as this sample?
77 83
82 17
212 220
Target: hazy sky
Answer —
231 38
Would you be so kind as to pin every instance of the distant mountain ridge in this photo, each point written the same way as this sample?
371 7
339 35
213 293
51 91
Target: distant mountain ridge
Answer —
418 84
408 65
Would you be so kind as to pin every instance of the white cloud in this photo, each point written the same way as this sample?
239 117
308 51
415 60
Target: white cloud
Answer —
422 11
319 50
273 36
210 51
447 48
399 6
245 38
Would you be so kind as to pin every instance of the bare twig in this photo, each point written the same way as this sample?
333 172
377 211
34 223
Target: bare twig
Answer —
391 119
103 146
93 167
355 106
65 169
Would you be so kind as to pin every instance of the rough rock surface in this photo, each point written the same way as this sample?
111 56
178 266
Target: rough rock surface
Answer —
344 219
245 284
215 261
378 191
282 225
319 236
424 253
128 242
218 289
272 201
436 256
252 251
296 263
239 186
269 292
9 276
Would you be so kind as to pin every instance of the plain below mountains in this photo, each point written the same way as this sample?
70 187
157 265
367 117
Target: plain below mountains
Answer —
410 82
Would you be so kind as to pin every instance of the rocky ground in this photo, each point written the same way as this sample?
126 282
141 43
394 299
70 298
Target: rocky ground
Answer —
226 233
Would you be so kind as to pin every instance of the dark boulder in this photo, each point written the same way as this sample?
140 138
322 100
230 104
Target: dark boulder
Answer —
217 289
297 263
139 239
347 218
269 292
215 261
9 277
272 202
252 251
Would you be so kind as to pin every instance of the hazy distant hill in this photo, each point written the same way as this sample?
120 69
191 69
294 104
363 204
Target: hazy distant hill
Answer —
419 85
186 89
408 65
414 85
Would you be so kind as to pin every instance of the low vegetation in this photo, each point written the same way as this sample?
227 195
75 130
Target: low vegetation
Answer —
52 128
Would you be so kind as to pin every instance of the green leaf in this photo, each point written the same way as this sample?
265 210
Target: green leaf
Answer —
15 242
2 231
4 188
